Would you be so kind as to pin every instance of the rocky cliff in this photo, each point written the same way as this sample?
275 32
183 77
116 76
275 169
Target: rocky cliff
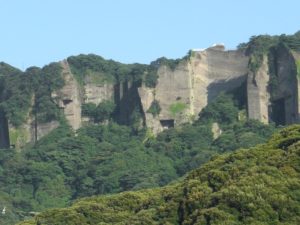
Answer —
178 91
184 91
258 96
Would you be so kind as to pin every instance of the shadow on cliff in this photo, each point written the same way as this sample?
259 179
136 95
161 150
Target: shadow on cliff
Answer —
4 133
231 85
128 103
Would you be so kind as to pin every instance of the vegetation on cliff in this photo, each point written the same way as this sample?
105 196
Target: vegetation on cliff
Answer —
260 45
259 185
99 113
100 70
154 108
22 93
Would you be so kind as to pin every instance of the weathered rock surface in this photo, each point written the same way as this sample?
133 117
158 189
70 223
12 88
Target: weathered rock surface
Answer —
216 130
69 97
286 95
97 92
194 83
182 92
258 94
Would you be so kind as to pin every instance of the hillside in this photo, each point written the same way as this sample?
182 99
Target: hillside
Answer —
100 159
259 185
88 126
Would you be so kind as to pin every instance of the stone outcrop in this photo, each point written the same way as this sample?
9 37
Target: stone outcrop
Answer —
97 92
192 84
258 96
29 132
181 92
216 130
69 97
285 98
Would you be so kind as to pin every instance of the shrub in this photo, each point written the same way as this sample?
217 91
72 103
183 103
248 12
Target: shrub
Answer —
154 108
177 107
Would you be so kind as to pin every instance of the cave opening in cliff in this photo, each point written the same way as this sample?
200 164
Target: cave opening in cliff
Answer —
166 124
278 111
4 133
67 101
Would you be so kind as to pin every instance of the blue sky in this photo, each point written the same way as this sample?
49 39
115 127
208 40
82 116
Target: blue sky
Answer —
37 32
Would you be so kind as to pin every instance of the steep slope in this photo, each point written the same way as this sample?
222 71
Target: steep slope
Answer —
259 185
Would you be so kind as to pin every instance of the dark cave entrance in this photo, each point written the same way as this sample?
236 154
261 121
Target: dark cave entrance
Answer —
67 101
166 124
278 111
4 133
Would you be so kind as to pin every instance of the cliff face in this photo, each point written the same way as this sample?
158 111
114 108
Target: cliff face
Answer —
258 96
183 92
285 96
69 97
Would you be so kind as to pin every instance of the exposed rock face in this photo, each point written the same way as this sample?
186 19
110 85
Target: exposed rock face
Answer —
285 98
258 94
192 84
29 132
181 92
69 97
296 56
147 96
97 92
45 128
216 130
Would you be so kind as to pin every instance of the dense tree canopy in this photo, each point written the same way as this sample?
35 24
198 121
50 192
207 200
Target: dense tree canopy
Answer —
259 185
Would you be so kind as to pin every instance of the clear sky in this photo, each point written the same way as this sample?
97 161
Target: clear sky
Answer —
37 32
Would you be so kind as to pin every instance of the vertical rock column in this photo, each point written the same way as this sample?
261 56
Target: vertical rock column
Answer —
70 98
4 135
257 93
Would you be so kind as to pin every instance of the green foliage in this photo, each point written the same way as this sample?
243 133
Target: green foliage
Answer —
99 113
221 110
177 108
15 94
151 76
292 41
171 63
258 46
46 81
88 109
21 92
110 158
154 108
259 185
102 70
104 111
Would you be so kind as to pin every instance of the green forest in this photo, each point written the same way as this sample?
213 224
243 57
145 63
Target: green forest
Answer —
259 185
103 159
